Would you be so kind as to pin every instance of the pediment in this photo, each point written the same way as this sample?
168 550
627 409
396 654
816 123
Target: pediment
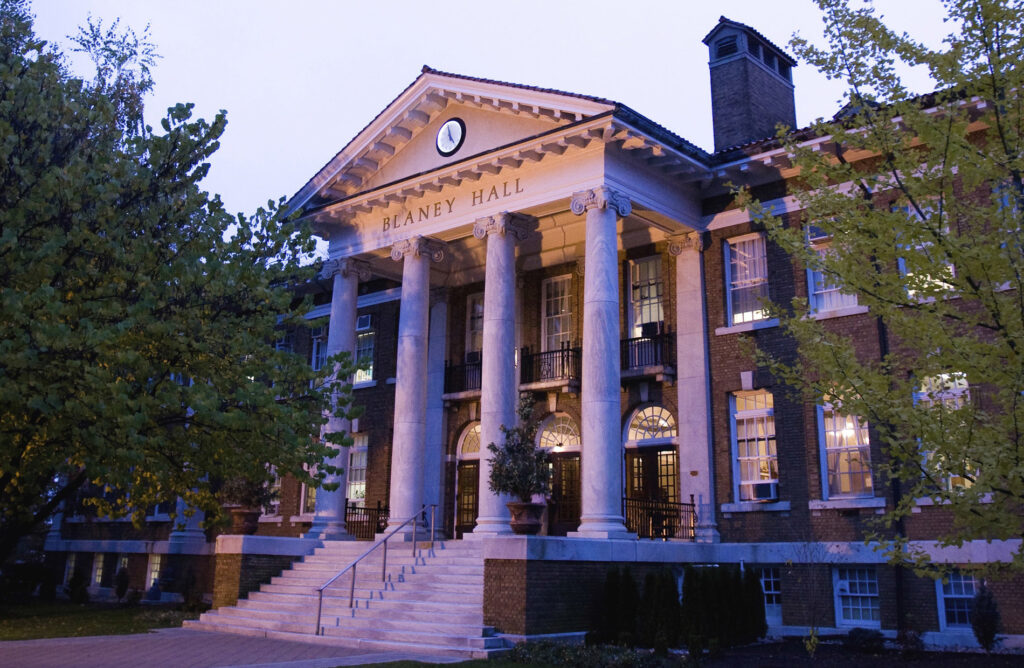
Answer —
400 141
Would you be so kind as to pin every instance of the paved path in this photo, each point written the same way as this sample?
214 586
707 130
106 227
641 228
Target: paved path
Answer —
184 648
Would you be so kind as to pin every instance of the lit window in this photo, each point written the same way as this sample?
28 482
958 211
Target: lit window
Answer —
747 279
753 442
559 433
645 297
273 507
771 585
470 446
946 393
856 597
366 343
651 422
308 500
97 567
319 340
356 493
846 454
927 272
474 327
154 569
556 314
823 290
956 597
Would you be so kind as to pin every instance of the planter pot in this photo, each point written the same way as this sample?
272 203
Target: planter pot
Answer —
244 521
526 517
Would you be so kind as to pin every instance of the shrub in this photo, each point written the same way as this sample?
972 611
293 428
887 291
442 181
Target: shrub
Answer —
78 589
121 581
558 654
721 608
985 618
864 641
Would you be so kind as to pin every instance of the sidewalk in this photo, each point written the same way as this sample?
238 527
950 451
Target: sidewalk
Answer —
185 648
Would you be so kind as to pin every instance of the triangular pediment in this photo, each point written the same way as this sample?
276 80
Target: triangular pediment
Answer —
401 141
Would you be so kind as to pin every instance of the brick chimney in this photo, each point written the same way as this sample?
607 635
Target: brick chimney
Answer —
751 85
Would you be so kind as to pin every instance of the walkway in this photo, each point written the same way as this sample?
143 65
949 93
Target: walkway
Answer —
185 648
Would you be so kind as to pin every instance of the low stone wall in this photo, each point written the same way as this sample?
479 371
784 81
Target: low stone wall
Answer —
243 563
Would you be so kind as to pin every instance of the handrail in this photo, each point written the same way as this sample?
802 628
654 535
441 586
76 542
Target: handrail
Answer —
384 567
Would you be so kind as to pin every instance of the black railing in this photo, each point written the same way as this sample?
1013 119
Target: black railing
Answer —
462 377
642 351
660 519
365 523
562 364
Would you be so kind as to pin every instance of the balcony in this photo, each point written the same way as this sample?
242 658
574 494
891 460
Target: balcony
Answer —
649 357
660 519
550 370
462 381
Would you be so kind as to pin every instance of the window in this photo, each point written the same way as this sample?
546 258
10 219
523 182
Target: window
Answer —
470 447
746 279
856 597
846 454
122 561
753 441
559 433
307 504
356 493
645 297
651 422
69 567
956 597
97 567
273 507
556 313
726 46
366 343
823 291
927 275
285 344
319 339
153 569
474 327
946 392
771 585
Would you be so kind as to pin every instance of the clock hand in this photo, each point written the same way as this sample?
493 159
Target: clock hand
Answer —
450 138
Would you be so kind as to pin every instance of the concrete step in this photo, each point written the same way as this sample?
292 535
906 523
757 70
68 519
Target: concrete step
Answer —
418 594
370 578
421 607
392 610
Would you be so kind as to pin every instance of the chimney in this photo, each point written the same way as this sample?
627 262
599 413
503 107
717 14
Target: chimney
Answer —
751 85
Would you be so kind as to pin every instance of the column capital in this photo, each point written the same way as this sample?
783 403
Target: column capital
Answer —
418 245
695 241
516 224
600 198
346 266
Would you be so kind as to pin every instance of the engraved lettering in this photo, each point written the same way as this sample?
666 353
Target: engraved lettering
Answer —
504 187
449 202
478 197
424 213
493 194
437 209
518 189
408 219
387 223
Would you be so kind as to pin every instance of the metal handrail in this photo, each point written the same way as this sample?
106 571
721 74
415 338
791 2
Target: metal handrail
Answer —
384 567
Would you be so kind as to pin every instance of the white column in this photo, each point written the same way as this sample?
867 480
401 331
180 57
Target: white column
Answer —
408 445
187 536
498 382
696 465
329 520
601 515
435 420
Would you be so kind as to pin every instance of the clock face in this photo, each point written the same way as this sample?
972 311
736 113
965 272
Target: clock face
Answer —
450 136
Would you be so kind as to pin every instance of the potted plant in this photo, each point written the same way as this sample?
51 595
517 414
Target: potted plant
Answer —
245 499
521 469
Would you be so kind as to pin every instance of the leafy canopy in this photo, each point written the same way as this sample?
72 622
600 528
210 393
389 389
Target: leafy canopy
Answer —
918 204
136 354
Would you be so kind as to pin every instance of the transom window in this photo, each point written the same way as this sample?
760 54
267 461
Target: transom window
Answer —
559 433
556 314
747 280
753 430
651 422
846 454
956 598
856 597
469 448
645 296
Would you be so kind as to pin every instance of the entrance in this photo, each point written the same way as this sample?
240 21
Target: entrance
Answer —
652 492
564 507
467 480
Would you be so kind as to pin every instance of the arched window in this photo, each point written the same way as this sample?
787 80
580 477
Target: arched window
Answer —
559 432
651 422
469 445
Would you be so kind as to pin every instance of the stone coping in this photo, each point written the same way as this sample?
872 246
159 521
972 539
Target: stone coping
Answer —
266 545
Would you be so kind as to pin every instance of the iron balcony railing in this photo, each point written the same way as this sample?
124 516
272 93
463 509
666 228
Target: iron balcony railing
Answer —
561 364
660 519
462 377
365 523
644 351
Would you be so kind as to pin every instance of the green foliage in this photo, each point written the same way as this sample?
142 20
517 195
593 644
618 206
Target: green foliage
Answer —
658 614
519 466
559 654
921 199
138 314
616 614
121 580
720 608
986 622
864 641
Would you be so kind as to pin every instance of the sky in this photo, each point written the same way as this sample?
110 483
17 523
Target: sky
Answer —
299 79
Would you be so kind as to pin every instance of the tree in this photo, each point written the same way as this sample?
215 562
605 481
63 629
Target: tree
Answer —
138 316
914 205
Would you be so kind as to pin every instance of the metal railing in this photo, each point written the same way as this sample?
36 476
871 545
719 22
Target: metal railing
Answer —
384 563
655 350
462 377
365 522
660 519
562 364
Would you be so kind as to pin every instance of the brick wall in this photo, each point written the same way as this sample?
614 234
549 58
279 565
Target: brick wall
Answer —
238 574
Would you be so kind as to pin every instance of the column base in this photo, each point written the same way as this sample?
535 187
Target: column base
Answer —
707 533
491 526
190 541
328 531
608 527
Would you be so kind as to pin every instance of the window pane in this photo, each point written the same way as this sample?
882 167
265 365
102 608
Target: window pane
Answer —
748 280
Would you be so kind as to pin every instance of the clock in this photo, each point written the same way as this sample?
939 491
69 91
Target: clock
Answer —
450 136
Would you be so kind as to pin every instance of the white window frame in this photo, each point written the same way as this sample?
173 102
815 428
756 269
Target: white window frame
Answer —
273 507
954 587
824 296
358 452
956 391
771 588
753 414
861 432
757 276
470 429
318 347
304 510
641 311
950 268
366 350
560 433
565 337
859 588
97 568
153 569
474 337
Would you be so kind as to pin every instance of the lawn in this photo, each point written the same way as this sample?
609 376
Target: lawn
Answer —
61 619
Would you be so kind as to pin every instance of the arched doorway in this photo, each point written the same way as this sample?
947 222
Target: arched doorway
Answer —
560 435
652 504
467 480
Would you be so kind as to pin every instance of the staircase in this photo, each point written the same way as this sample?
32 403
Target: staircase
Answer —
428 604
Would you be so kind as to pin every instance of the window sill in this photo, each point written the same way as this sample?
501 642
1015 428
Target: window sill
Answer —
295 519
364 384
754 507
839 312
921 501
271 519
847 504
747 327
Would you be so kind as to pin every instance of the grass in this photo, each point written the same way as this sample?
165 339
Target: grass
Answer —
61 619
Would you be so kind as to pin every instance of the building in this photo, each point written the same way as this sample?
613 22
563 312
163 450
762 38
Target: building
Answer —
488 239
